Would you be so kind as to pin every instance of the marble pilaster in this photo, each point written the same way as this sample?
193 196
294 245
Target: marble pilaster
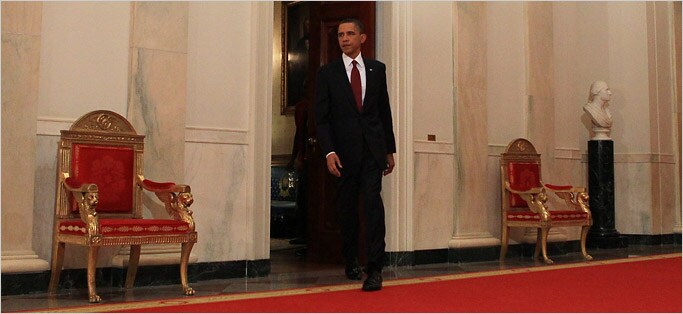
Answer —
157 98
471 137
158 89
678 56
540 82
21 22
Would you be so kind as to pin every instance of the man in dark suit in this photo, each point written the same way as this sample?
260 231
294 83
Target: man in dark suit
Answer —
355 131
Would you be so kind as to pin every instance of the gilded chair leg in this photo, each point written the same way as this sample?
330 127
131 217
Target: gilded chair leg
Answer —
584 235
92 267
504 242
57 263
133 261
544 247
186 248
539 243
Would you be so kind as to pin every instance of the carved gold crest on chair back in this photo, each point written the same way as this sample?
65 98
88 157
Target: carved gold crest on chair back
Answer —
100 184
524 199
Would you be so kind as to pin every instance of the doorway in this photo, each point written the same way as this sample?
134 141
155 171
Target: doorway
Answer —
322 231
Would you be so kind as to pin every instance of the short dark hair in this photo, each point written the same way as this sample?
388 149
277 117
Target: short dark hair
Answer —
357 22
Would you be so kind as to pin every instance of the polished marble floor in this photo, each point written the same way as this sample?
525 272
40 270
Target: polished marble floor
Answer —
289 271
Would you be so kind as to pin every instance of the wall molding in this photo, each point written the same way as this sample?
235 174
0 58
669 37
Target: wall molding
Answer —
639 158
432 147
51 126
196 134
495 150
568 153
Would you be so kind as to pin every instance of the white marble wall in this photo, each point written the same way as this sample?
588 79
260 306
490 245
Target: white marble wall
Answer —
433 220
216 163
432 114
158 89
94 63
84 58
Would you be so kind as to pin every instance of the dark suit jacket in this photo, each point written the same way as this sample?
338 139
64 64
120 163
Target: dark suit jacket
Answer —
341 127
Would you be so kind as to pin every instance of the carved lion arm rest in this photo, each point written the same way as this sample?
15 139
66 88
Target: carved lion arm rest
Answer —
535 199
177 198
86 196
576 198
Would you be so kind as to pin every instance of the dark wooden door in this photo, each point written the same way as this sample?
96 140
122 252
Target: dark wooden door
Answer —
324 236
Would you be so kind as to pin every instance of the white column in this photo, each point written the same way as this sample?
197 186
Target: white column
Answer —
394 48
260 131
21 30
471 135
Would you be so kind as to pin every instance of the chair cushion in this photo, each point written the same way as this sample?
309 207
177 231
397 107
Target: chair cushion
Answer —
282 184
555 215
522 176
111 168
127 227
559 187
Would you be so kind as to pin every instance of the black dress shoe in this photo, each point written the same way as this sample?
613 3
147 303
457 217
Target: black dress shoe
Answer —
373 282
353 272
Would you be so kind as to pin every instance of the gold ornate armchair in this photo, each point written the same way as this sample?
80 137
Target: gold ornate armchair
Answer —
99 198
524 199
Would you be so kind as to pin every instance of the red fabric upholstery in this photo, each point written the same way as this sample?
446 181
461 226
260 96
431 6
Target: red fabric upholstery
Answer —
555 215
558 187
522 176
158 186
111 168
127 227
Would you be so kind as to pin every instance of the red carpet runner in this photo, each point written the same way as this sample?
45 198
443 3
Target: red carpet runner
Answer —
642 284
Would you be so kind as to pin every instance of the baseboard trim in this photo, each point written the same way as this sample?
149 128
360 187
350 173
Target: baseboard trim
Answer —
653 239
26 283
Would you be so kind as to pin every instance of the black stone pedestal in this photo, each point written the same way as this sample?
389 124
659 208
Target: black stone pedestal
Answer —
601 191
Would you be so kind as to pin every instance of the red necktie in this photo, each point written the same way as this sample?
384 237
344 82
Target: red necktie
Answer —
356 86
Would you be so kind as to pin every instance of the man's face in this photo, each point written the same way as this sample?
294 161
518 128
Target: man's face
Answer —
350 39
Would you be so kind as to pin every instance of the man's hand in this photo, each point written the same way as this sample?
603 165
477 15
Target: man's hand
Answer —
334 164
390 164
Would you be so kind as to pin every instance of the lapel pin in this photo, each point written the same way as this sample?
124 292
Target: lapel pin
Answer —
370 69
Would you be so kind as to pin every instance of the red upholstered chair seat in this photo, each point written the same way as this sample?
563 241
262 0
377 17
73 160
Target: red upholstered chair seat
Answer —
127 227
555 215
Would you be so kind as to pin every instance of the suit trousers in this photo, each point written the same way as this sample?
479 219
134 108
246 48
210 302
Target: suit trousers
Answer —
363 180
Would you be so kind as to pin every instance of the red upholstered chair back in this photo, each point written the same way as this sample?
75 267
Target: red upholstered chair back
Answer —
520 166
103 148
522 176
111 168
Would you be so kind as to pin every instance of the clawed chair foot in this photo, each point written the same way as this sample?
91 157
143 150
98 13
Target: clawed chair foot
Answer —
94 298
188 291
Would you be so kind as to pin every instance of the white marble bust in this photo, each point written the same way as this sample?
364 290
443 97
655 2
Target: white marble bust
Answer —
597 109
